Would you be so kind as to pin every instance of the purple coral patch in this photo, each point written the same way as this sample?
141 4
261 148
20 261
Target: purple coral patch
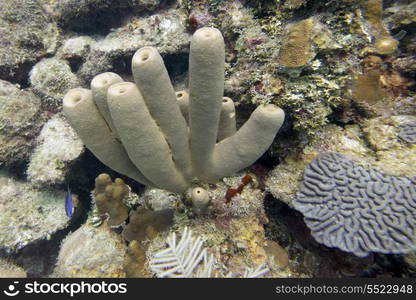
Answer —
356 209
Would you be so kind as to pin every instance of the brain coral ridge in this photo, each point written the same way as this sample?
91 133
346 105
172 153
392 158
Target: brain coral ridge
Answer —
408 132
356 209
141 129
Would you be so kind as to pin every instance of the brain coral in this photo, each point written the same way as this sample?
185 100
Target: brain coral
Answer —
355 209
408 132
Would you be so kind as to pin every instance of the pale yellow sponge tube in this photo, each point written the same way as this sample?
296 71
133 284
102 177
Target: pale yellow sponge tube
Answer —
206 87
84 117
153 82
227 125
143 139
99 87
248 143
165 139
183 99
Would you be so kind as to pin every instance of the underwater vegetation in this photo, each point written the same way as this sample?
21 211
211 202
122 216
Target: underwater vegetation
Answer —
207 138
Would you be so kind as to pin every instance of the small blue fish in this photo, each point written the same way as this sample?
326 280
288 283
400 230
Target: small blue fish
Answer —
69 208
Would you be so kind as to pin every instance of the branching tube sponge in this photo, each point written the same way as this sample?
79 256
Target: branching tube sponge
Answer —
148 132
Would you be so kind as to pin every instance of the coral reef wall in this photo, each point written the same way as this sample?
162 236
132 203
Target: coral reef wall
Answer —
342 71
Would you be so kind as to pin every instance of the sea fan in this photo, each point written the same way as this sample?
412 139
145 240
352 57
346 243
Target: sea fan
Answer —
187 258
255 273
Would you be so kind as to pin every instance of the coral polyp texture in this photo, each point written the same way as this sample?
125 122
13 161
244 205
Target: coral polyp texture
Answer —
408 132
356 209
140 129
296 50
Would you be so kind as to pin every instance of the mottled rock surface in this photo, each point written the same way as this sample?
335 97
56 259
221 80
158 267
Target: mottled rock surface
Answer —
20 121
50 79
28 214
57 147
10 270
91 252
26 35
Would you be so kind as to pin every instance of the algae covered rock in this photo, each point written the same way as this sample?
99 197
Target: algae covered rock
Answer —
28 214
75 50
279 254
20 122
164 31
10 270
26 35
57 148
157 199
50 79
391 139
91 252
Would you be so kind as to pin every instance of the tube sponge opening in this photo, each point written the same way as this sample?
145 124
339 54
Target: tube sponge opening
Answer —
75 96
227 126
144 56
200 200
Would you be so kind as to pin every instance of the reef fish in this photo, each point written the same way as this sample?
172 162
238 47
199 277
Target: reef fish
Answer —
69 208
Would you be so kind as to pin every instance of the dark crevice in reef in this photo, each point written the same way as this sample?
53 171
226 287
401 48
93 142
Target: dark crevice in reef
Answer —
122 66
20 75
17 169
286 227
101 19
87 168
99 22
177 66
75 64
336 119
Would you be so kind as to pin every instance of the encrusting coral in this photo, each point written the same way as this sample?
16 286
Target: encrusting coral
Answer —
135 260
384 43
296 50
146 224
138 128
